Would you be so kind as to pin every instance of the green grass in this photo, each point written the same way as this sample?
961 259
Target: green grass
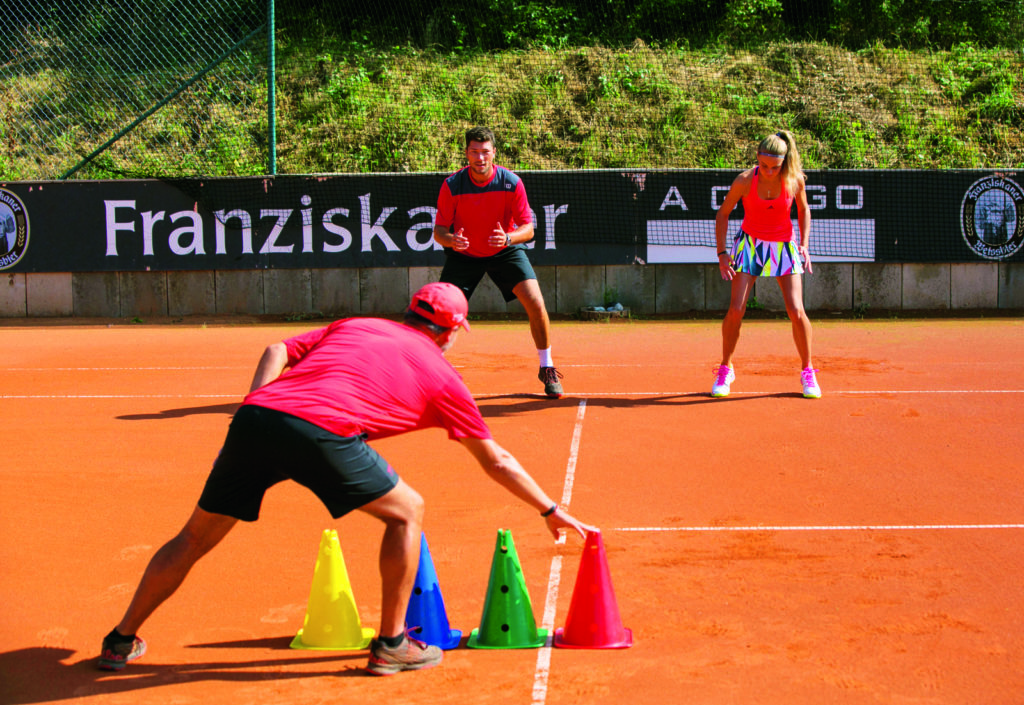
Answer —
406 110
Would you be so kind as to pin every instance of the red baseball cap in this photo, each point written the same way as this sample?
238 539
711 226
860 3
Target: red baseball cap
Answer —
441 303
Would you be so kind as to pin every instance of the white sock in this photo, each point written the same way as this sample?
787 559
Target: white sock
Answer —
545 358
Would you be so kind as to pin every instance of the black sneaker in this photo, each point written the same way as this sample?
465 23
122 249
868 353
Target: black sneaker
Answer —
115 656
410 655
550 376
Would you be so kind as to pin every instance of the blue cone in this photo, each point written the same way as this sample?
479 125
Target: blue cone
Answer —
425 618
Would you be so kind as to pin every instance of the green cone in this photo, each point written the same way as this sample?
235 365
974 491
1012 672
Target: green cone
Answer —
507 621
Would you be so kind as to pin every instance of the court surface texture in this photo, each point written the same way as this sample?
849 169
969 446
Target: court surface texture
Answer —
866 547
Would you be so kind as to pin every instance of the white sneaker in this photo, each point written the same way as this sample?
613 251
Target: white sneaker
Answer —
724 377
810 382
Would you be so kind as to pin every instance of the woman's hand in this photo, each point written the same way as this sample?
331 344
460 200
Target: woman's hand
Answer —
805 257
725 266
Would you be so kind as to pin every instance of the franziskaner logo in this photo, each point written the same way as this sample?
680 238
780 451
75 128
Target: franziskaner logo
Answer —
13 229
992 217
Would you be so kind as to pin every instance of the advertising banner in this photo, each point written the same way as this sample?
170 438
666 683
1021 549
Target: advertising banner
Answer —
581 218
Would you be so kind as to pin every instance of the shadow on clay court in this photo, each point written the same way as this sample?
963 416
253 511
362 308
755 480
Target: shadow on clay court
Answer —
524 403
497 405
41 674
228 409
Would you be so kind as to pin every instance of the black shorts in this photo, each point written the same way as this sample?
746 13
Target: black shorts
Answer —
506 269
265 446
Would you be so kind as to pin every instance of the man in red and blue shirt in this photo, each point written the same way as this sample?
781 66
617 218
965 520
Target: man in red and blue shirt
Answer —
483 221
315 401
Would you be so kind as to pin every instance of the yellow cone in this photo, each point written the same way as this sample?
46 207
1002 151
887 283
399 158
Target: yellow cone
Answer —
332 620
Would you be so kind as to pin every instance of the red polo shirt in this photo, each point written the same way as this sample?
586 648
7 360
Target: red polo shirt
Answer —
373 376
464 204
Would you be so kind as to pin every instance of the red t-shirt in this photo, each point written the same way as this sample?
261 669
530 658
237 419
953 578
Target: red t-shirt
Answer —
768 220
373 376
464 204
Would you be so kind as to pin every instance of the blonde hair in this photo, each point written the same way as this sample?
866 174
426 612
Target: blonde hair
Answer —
783 144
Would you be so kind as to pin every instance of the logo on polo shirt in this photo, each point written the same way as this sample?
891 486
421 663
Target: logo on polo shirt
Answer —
13 229
992 217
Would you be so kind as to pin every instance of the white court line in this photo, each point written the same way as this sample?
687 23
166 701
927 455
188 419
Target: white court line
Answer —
933 391
540 676
125 369
189 368
692 393
574 451
852 527
183 368
524 395
123 396
543 669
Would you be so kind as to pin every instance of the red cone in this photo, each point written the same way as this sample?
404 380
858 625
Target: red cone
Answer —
593 621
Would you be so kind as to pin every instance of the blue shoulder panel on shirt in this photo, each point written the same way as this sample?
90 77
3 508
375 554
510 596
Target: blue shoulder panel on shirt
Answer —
461 184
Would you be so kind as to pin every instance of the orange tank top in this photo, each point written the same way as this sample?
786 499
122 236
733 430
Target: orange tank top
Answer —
767 219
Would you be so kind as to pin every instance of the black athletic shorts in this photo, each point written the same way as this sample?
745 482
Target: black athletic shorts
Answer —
506 269
265 446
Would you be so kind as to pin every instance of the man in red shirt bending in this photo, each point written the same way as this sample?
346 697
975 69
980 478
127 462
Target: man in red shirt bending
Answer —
314 402
483 221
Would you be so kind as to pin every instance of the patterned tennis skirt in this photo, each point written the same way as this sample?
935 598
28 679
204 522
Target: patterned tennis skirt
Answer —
761 258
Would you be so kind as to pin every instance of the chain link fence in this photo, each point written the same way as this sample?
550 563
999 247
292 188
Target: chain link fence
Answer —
132 89
188 88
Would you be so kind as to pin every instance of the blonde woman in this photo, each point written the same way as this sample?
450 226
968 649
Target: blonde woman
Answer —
765 247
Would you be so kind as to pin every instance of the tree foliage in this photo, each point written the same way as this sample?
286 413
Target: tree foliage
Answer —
492 25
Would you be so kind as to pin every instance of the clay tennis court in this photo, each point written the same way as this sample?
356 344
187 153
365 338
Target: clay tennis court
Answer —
866 547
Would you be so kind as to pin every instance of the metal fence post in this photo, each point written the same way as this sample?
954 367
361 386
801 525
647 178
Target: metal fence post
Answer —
271 92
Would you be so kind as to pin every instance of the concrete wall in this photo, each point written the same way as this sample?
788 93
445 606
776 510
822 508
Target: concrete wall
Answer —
663 289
